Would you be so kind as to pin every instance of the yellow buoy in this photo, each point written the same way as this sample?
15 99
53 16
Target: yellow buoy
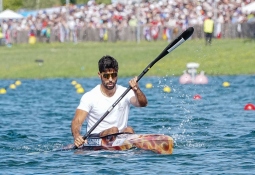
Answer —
3 91
148 85
80 90
77 85
167 89
74 82
12 86
17 83
226 84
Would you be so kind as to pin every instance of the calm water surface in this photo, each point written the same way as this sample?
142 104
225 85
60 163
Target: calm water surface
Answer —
214 135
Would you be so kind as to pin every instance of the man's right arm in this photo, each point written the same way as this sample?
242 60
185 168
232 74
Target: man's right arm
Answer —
77 122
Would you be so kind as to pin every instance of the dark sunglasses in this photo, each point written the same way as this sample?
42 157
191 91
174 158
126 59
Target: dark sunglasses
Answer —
113 75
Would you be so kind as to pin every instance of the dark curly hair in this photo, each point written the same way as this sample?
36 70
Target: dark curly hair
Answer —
107 62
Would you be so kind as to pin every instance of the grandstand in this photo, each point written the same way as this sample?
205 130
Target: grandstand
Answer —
129 20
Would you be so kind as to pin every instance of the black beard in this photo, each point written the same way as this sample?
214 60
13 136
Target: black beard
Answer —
107 87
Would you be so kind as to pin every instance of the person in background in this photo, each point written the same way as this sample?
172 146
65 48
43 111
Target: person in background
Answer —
208 30
1 36
97 101
48 33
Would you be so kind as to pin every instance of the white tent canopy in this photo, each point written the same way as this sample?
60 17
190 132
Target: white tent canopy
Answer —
9 14
249 8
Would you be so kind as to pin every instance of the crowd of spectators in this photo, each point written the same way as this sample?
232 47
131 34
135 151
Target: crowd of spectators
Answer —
168 14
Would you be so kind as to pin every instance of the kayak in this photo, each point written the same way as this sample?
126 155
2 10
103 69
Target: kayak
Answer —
158 143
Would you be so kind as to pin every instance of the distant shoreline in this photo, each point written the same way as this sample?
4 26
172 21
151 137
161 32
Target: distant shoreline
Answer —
66 60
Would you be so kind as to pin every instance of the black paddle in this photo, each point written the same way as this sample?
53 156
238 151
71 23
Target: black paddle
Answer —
174 44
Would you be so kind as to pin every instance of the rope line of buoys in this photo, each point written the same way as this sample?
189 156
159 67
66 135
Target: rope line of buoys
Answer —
11 86
166 88
78 87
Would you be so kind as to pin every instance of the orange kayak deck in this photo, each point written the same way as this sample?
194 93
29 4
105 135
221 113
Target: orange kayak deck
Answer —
158 143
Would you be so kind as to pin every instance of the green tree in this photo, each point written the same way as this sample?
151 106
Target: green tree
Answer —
29 4
103 1
82 1
12 4
39 4
63 2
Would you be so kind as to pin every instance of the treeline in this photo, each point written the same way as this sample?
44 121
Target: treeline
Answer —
40 4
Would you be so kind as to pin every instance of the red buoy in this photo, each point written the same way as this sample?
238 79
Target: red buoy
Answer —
197 97
249 106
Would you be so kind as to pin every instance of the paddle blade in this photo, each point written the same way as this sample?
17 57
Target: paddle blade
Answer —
175 43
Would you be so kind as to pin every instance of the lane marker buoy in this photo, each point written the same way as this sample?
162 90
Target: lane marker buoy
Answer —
225 84
148 85
249 106
74 82
18 83
80 90
3 91
167 89
197 97
12 86
77 85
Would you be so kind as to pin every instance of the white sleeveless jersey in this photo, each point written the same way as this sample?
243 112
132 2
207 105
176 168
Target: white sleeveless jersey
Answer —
96 104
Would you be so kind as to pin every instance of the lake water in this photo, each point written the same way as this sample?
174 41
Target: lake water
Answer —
214 135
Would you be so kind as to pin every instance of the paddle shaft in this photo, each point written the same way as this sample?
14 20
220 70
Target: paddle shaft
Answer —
174 44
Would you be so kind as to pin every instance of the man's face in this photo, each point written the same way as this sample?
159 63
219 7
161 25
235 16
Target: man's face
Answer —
109 78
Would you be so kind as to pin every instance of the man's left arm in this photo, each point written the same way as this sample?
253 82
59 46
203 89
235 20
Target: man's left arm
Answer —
139 100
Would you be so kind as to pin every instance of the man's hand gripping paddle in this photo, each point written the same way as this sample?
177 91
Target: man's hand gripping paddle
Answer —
174 44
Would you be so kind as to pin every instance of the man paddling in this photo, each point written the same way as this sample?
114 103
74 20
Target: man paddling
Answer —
95 103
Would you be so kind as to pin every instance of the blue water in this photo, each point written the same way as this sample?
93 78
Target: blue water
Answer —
214 135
